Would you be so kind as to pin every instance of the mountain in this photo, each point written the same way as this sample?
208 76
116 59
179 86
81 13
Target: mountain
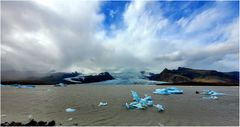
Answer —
187 75
90 78
55 78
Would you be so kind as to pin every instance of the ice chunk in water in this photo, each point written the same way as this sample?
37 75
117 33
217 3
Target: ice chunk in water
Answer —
168 90
59 85
102 104
70 119
211 97
211 92
140 103
70 110
159 107
135 96
149 103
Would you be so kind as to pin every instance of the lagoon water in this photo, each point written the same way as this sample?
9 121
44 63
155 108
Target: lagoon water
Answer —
49 103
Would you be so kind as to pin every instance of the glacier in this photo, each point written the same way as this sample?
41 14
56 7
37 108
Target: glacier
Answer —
131 77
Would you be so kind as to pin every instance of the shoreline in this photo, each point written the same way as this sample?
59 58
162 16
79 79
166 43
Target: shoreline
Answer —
162 84
200 84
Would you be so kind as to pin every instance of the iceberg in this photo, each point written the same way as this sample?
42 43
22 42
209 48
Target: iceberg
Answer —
3 115
30 117
70 110
102 104
70 119
60 85
211 92
142 103
135 96
159 107
149 103
168 90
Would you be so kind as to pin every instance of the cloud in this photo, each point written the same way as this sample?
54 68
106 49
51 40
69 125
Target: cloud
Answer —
49 38
209 55
69 36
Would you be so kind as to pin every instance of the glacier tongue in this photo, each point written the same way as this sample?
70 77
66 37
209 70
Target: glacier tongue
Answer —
131 77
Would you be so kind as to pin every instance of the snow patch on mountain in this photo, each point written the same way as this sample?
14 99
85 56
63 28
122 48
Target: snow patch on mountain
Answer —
75 79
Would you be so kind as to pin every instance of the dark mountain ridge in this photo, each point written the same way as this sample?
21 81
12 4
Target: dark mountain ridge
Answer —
59 77
186 75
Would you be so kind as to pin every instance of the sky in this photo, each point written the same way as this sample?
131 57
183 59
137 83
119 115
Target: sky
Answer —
97 36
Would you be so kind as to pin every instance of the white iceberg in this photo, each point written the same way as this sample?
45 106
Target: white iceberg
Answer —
211 97
70 119
159 107
102 104
211 92
60 85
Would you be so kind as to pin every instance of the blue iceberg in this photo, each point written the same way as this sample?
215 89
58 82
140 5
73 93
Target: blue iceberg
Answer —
135 96
70 110
168 90
142 103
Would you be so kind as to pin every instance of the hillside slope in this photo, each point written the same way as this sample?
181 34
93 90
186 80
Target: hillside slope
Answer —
186 75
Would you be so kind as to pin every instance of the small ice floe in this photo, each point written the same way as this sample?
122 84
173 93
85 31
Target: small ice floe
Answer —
212 93
168 90
160 124
19 86
159 107
70 119
102 104
211 97
70 110
25 86
139 103
3 115
30 117
60 85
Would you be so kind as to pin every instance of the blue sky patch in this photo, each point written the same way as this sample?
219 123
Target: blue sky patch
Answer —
113 11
